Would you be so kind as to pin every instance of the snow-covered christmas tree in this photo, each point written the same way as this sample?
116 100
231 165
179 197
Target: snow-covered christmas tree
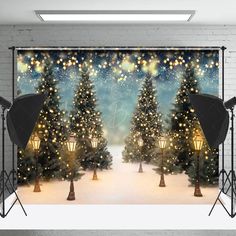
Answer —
209 164
50 129
169 159
183 119
184 126
50 126
86 124
145 124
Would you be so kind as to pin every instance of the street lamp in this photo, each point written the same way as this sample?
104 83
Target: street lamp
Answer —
162 145
140 144
198 142
71 145
35 141
94 144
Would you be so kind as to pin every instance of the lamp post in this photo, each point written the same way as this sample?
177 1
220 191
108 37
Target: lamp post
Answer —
140 144
94 144
198 142
162 145
71 145
35 141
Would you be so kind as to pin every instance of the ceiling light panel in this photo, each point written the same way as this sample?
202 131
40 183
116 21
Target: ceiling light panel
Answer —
115 16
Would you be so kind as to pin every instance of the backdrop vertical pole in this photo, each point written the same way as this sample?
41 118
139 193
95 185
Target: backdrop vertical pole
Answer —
13 97
223 97
232 162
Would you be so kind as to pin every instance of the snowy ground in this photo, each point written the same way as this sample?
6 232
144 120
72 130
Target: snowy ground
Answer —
121 185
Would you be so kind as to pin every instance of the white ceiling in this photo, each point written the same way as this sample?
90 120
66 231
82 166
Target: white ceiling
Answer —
207 11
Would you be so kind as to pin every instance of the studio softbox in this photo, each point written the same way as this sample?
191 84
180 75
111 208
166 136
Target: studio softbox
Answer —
213 117
22 116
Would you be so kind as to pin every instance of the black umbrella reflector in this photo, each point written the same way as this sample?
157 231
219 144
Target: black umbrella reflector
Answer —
213 117
22 116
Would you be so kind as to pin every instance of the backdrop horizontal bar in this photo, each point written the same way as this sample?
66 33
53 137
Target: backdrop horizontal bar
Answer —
121 48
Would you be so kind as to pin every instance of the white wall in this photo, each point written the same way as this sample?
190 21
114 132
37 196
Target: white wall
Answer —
118 35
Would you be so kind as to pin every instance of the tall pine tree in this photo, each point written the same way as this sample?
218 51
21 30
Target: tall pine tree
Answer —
146 123
86 123
50 126
183 120
184 126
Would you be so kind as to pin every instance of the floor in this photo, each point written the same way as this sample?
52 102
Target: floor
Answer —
121 185
113 217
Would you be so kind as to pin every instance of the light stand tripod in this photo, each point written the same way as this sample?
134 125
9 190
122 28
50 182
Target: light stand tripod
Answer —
230 182
5 177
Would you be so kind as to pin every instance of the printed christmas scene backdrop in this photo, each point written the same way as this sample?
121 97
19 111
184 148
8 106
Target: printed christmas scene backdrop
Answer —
118 97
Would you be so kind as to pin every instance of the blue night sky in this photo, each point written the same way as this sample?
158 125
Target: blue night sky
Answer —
117 76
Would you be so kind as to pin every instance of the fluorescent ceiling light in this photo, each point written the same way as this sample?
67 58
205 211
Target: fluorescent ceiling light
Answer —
114 16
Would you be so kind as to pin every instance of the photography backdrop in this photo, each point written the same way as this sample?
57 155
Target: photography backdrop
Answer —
117 95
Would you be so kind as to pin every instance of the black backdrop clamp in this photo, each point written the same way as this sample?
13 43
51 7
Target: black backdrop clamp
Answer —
229 184
6 184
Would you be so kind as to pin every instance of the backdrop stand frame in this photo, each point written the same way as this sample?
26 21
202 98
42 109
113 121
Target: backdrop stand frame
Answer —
222 172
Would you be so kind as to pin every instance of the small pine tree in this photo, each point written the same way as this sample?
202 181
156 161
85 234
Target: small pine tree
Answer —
183 120
169 159
25 166
70 164
208 165
146 123
86 123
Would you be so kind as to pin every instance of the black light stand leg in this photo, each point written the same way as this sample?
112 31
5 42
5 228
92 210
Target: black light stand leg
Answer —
230 177
17 197
218 196
222 174
6 184
3 163
11 191
5 178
